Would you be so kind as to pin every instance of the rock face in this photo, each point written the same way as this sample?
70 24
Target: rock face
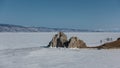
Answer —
53 42
74 42
60 40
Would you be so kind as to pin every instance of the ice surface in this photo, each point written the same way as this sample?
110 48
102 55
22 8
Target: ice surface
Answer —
22 50
23 40
59 58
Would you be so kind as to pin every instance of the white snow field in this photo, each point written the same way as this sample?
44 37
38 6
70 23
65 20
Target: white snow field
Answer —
22 50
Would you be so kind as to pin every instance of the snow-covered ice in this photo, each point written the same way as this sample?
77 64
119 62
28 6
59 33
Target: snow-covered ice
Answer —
22 50
59 58
23 40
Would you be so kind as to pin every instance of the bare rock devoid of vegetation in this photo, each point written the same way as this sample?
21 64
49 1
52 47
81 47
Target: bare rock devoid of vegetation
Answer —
75 42
113 44
60 40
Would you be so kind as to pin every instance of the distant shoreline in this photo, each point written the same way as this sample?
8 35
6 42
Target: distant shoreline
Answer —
19 28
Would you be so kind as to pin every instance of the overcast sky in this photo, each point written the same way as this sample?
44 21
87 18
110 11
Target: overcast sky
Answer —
80 14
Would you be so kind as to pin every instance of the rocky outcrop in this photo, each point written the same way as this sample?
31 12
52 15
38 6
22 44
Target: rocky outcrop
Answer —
74 42
114 44
118 39
60 40
53 42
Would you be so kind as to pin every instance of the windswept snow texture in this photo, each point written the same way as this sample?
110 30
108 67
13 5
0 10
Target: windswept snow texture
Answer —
24 40
59 58
22 50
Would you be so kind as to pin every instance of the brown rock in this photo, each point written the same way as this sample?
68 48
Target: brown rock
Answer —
62 39
114 44
53 42
74 42
59 40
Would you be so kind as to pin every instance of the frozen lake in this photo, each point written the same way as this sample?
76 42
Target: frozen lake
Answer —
24 40
59 58
22 50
